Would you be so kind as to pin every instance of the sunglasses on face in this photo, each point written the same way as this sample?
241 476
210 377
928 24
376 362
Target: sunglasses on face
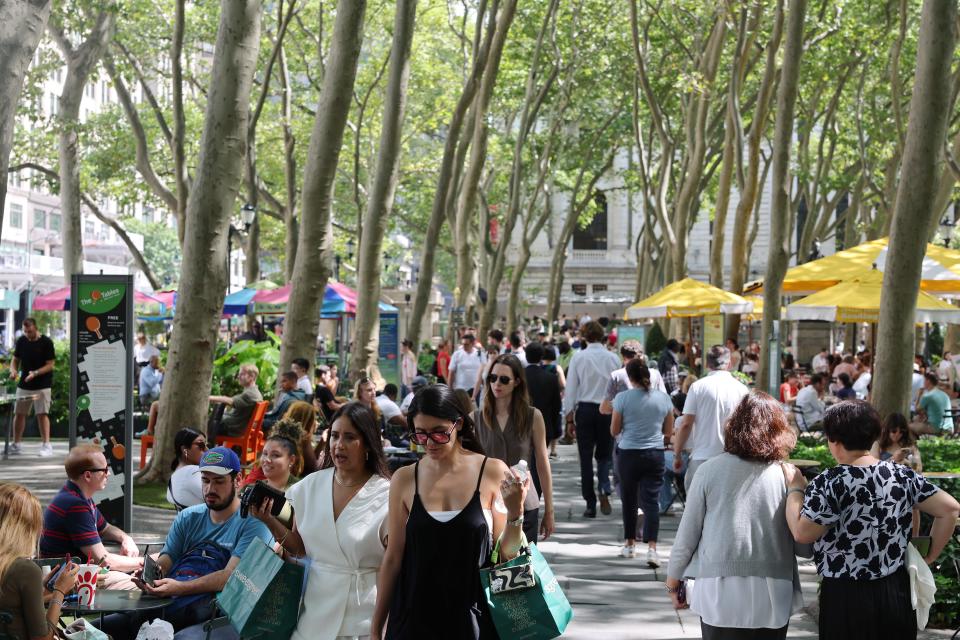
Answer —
439 437
503 379
102 470
200 445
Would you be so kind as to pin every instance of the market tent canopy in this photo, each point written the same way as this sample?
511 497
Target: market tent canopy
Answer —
686 299
236 303
59 300
940 272
338 299
858 300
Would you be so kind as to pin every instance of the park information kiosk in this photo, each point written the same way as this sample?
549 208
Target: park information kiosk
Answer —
101 382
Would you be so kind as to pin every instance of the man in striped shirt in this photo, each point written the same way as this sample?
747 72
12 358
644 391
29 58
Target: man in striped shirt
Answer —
73 524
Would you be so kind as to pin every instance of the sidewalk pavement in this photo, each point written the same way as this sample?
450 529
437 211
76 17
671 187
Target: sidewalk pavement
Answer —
613 598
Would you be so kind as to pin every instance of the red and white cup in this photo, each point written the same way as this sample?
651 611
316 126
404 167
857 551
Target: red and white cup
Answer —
87 584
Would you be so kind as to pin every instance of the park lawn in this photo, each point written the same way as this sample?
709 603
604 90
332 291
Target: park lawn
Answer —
152 494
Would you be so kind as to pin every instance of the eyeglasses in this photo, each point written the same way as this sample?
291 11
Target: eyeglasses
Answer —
503 379
440 437
103 470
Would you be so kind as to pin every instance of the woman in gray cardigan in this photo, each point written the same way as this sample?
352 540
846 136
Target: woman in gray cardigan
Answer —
733 537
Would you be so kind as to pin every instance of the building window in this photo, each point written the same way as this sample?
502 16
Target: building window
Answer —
39 219
593 237
54 221
579 289
14 179
16 216
599 288
88 229
53 105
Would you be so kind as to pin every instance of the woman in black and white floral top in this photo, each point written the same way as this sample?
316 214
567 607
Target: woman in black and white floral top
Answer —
858 515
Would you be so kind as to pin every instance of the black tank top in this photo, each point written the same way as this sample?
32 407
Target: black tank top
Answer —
439 584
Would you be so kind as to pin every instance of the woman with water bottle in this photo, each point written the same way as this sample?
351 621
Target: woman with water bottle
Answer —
446 514
512 430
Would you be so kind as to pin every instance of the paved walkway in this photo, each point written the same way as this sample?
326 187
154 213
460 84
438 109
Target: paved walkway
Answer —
613 598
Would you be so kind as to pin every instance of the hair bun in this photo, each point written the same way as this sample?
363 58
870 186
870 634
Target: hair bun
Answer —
289 429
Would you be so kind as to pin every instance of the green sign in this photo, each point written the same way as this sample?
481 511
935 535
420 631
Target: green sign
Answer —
100 298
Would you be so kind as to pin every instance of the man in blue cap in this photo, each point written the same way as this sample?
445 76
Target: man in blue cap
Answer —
203 548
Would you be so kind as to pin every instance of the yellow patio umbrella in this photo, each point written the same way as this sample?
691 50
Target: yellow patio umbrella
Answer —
940 273
686 299
858 300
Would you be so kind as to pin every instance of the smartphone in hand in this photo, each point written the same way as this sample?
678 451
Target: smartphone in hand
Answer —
55 573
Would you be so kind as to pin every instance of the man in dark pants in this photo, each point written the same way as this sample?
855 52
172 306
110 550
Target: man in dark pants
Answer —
587 378
543 387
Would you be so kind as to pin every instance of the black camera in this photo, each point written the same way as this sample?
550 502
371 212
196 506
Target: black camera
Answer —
256 493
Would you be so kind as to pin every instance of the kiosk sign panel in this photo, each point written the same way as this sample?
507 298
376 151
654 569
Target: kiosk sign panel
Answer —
101 382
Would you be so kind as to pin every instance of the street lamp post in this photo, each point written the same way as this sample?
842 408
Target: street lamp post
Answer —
946 230
248 213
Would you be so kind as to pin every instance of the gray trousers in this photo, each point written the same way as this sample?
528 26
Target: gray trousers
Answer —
691 469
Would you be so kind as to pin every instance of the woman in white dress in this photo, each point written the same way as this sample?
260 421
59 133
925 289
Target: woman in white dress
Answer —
340 526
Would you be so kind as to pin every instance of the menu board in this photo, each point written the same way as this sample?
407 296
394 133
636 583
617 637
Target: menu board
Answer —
101 382
389 351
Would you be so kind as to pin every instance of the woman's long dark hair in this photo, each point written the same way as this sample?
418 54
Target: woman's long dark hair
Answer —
183 440
896 420
363 420
519 399
440 401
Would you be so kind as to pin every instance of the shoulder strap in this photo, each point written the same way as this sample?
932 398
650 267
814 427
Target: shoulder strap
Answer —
416 479
480 478
176 504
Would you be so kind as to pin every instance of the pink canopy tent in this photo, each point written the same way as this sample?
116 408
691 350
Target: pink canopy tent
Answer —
59 300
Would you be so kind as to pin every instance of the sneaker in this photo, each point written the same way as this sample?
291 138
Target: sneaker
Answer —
653 559
605 504
15 449
628 551
46 450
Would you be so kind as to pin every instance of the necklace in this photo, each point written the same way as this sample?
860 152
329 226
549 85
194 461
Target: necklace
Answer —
342 483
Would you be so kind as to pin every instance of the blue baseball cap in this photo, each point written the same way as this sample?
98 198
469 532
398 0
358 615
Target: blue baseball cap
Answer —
221 461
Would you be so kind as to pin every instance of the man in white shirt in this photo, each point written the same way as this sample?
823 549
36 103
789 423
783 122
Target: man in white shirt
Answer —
387 401
820 364
810 400
516 348
418 383
916 387
143 351
465 364
710 401
587 378
301 367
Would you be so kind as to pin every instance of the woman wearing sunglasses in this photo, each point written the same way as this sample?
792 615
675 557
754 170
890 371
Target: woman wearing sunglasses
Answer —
446 511
511 429
183 488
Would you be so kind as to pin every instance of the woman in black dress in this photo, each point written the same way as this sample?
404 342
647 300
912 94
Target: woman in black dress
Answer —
446 511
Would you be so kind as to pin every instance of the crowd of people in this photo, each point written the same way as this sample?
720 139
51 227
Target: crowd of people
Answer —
395 549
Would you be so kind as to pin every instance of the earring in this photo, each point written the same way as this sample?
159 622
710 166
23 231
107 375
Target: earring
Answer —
367 456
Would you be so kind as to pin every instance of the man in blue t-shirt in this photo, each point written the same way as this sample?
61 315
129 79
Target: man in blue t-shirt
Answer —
216 521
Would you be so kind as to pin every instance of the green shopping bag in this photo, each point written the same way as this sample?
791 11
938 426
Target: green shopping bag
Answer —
524 598
263 594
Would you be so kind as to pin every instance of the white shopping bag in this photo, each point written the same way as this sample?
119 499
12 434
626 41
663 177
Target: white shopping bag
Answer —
156 630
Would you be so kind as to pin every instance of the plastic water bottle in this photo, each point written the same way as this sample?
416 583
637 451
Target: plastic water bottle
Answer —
521 470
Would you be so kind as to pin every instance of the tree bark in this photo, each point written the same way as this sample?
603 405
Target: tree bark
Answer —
535 94
22 23
464 237
184 399
80 62
917 190
314 259
380 200
779 251
739 248
449 167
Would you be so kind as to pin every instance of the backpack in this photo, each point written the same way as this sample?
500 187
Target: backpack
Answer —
202 559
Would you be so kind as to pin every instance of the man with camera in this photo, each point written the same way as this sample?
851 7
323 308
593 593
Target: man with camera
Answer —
203 547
